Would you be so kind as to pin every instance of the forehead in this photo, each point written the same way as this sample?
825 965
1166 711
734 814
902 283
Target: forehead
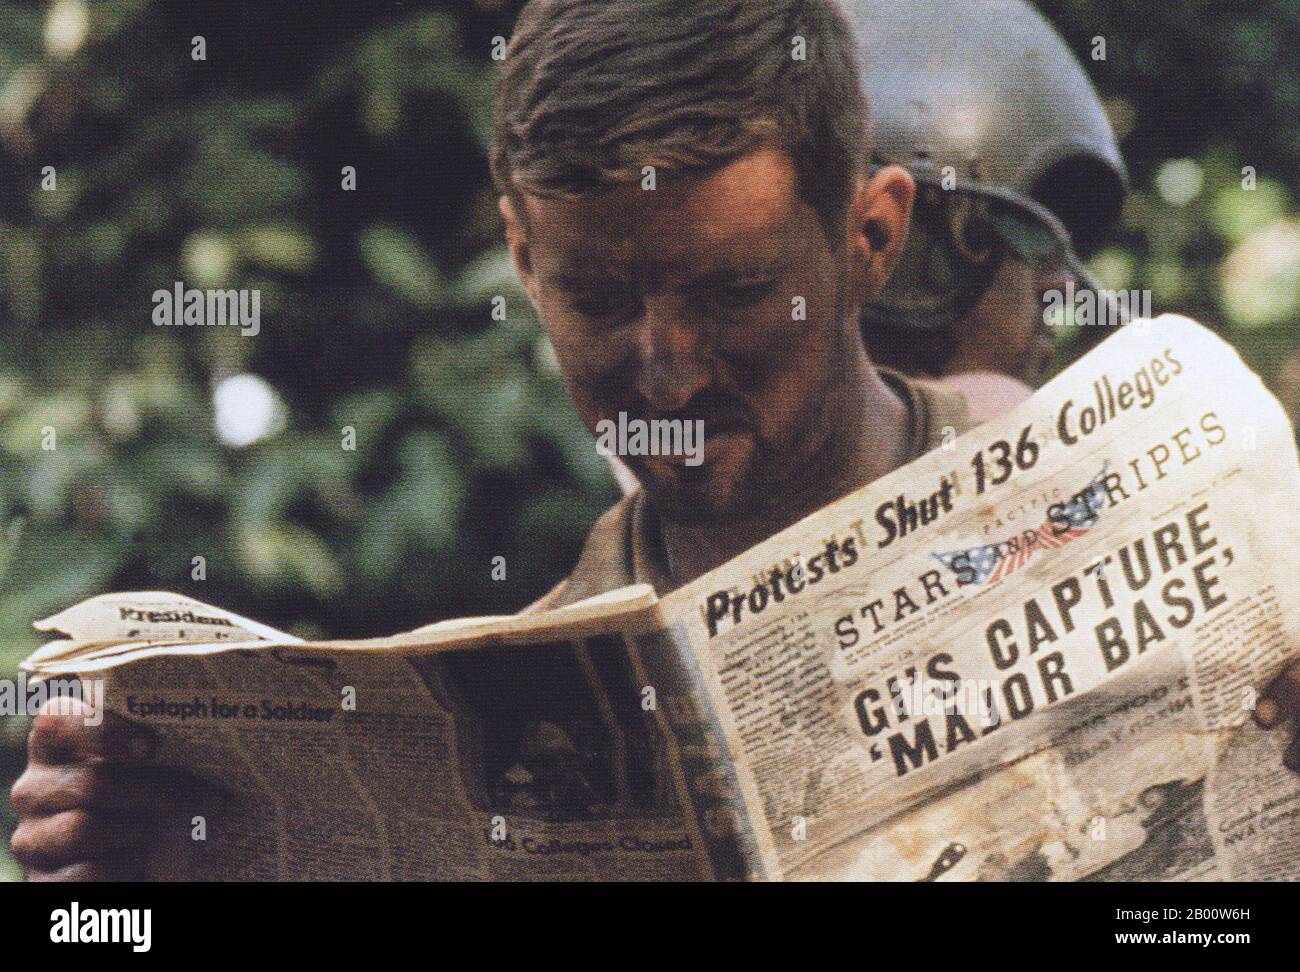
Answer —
748 206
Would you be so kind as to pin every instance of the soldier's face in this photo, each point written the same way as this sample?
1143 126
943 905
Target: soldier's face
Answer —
716 298
1004 332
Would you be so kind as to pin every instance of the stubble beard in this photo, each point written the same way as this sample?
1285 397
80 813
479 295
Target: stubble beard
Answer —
689 499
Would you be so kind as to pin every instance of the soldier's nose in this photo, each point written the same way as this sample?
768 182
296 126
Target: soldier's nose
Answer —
1055 277
669 381
672 362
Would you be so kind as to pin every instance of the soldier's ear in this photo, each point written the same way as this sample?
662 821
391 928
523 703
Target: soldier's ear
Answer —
879 215
517 243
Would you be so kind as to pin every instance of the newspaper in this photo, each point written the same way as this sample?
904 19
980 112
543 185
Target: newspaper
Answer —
1029 655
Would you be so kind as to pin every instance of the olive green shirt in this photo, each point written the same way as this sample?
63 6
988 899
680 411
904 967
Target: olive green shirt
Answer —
624 546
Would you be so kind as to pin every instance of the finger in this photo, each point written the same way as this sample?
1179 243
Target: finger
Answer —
121 867
1291 758
1281 700
84 871
54 842
64 733
44 789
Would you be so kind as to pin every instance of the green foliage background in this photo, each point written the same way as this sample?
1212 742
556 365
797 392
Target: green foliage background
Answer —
376 303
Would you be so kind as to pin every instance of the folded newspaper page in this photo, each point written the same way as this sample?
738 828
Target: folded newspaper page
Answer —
1030 655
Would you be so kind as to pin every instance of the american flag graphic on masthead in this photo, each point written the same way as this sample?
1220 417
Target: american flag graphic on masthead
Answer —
990 562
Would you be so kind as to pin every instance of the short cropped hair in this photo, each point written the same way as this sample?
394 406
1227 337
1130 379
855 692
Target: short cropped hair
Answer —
592 91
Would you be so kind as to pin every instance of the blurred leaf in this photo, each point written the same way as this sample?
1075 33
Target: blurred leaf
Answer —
279 247
46 420
287 555
1238 212
397 261
1261 277
491 275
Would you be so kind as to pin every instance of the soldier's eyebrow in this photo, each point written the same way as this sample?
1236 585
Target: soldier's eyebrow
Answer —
575 281
729 275
587 279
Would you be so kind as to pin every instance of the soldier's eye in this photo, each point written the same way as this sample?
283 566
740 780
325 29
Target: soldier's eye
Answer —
612 306
742 295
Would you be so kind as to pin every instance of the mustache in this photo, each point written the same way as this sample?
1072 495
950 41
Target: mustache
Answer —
717 411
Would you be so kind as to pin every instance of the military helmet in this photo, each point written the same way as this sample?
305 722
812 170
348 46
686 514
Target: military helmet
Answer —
985 105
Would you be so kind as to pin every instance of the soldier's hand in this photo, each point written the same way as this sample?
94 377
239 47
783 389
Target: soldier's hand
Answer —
1279 704
89 803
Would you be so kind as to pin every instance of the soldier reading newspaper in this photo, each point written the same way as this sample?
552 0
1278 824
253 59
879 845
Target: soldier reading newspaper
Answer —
830 637
1032 654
